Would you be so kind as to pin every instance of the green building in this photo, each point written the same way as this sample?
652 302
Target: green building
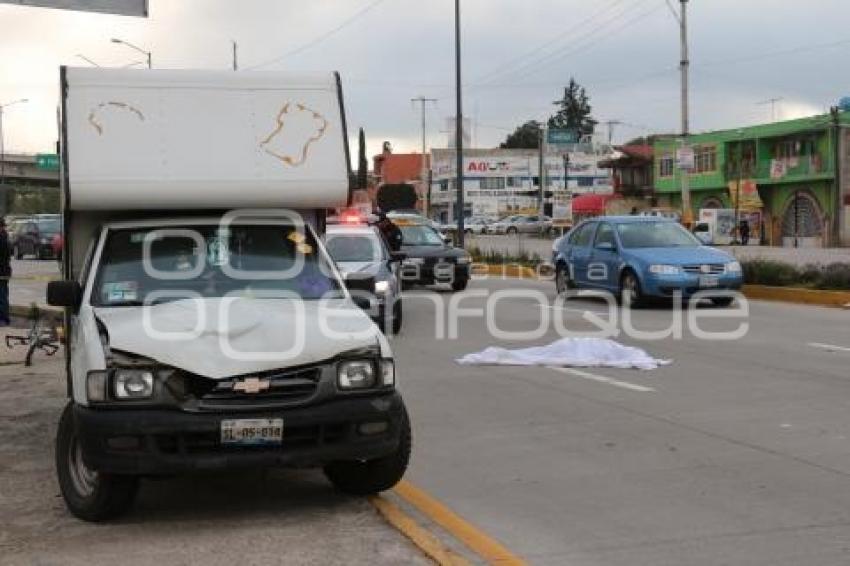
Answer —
787 173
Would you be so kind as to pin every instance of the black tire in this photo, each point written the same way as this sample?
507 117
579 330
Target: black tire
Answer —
562 279
630 284
373 476
722 301
90 495
397 316
459 285
511 230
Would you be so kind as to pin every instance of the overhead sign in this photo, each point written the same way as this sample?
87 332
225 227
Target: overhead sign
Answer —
119 7
561 136
48 161
685 158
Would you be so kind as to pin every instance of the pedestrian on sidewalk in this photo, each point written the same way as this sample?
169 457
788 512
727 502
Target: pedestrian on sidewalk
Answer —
745 232
5 273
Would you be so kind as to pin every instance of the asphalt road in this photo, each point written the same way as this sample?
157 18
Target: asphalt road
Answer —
739 454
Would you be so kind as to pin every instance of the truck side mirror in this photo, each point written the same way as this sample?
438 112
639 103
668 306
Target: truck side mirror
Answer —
64 294
362 289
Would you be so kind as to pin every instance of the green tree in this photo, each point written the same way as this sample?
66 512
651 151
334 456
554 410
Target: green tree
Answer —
574 110
526 136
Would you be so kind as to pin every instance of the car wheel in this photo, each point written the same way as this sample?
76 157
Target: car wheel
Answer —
397 316
373 476
459 285
630 291
511 230
90 495
562 279
722 301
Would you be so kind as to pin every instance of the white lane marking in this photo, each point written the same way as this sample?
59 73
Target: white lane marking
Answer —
603 379
829 347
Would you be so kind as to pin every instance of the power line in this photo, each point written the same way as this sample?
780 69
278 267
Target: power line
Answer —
504 66
570 48
357 15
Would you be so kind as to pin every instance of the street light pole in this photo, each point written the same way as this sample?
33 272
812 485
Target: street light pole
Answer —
458 130
147 54
684 64
423 170
2 140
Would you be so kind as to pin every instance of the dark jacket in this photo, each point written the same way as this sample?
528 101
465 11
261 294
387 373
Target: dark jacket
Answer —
391 233
5 254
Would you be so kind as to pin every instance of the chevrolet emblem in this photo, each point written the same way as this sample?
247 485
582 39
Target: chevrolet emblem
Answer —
251 385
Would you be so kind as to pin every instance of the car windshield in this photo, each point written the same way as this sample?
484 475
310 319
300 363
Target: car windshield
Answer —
659 234
353 247
210 261
420 235
49 226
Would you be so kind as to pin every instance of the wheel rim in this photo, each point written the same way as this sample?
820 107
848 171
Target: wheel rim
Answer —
83 478
561 281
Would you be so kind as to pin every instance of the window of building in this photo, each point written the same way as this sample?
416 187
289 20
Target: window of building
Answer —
492 183
585 181
514 182
666 166
705 159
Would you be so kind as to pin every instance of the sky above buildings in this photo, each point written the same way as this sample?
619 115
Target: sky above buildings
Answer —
517 56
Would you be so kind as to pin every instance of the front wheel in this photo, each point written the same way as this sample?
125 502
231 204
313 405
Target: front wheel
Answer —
630 292
90 495
459 285
373 476
511 230
562 279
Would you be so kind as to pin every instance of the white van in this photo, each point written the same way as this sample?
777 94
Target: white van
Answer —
206 325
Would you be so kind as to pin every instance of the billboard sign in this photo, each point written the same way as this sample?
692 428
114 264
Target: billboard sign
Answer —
685 158
119 7
561 136
47 161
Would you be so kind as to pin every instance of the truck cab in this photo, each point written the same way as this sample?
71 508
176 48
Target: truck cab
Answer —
207 327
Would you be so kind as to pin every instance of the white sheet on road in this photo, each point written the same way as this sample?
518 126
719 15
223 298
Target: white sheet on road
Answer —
568 352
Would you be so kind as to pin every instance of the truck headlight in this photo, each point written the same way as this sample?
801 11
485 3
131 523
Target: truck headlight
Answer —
356 374
661 269
382 287
733 267
132 384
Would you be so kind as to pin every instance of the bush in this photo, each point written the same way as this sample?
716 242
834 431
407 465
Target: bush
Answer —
835 276
499 258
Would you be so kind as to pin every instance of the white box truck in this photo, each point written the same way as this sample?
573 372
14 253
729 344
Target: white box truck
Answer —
206 326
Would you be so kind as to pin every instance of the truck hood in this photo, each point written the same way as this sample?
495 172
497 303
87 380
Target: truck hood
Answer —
225 337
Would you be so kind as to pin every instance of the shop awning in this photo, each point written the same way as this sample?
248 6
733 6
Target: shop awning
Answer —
590 204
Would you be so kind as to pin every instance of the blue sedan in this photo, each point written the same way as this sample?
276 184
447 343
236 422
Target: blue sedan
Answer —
642 257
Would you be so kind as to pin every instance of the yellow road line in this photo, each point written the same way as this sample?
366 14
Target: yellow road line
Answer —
485 546
421 537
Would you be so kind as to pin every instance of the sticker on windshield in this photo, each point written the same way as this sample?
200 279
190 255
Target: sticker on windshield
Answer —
121 291
305 249
296 237
218 252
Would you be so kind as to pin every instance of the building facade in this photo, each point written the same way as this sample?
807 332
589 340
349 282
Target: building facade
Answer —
498 182
783 174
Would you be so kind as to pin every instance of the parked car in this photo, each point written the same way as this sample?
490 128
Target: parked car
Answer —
34 237
522 224
430 259
360 248
642 257
471 225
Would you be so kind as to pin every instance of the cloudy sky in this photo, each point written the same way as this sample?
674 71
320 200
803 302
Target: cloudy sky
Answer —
517 55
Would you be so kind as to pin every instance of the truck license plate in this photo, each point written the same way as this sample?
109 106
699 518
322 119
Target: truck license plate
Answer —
707 282
252 432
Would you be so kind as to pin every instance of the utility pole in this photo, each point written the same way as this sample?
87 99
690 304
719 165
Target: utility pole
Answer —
772 102
235 60
687 213
423 173
458 130
541 172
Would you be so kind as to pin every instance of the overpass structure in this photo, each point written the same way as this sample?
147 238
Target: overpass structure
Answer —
28 183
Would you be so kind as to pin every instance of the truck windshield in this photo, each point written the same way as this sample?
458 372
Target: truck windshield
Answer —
209 261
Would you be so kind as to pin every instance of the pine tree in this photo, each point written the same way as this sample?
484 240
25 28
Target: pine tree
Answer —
574 110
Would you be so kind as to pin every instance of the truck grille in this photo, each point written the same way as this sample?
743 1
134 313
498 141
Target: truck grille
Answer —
705 269
284 388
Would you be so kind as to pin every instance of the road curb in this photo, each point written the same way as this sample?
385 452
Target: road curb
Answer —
798 295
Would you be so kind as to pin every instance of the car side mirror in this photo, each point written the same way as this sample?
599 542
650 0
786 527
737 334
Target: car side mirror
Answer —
398 256
64 293
606 246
